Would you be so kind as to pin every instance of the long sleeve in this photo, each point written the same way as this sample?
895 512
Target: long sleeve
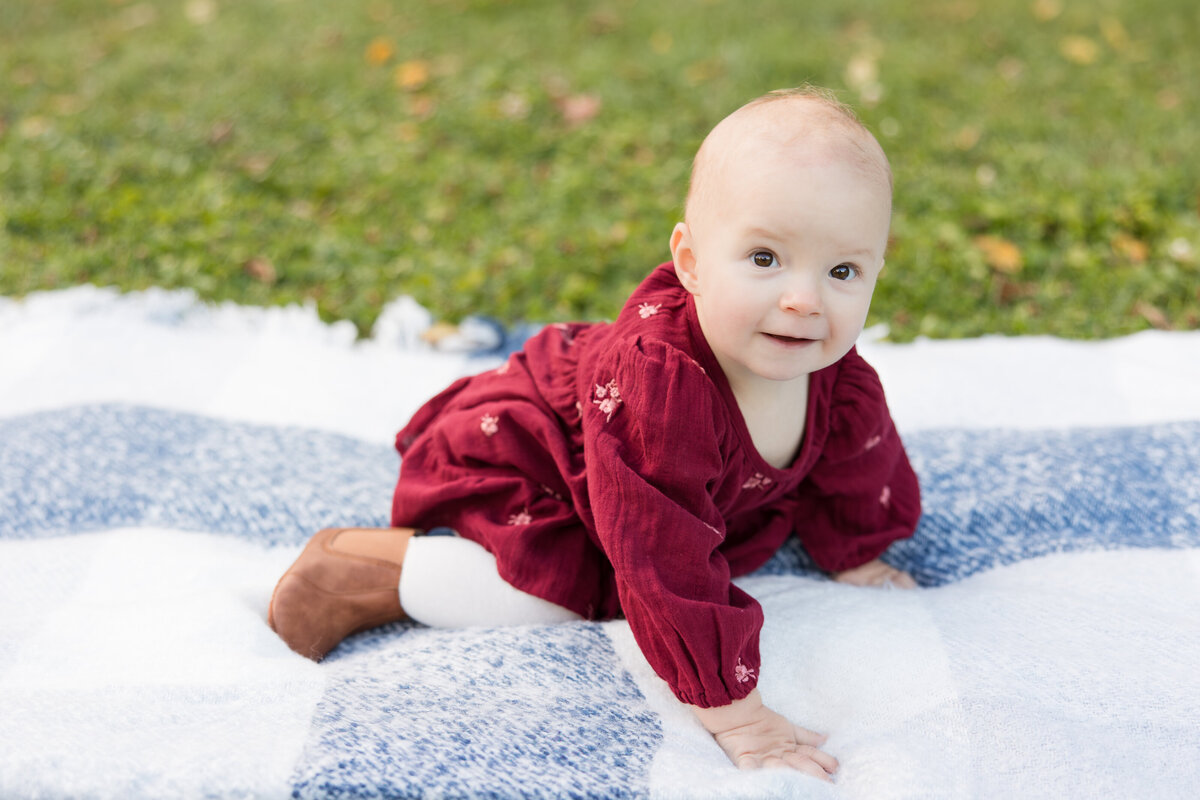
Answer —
862 493
653 449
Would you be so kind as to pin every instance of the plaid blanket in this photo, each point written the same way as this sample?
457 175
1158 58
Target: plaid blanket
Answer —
162 461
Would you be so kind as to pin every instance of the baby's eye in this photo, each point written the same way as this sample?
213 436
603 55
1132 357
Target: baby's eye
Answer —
763 258
843 272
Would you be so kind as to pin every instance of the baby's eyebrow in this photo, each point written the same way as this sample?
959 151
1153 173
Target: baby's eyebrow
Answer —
757 232
861 252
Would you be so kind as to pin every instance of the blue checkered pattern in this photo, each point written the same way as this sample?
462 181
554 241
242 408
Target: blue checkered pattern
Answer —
542 712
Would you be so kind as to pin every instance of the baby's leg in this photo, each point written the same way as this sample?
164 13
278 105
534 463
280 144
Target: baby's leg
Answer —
351 579
448 582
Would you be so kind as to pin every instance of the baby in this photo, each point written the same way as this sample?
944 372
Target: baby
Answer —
633 468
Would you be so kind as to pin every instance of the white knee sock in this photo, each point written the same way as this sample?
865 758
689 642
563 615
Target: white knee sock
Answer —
448 582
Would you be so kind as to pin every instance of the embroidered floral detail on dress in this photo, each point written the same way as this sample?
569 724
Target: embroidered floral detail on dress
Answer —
551 492
645 310
743 673
757 481
503 368
489 425
872 443
520 518
885 497
608 398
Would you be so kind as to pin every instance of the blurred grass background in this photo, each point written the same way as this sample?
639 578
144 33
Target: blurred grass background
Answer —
528 159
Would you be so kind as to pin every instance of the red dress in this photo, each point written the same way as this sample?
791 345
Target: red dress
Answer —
609 470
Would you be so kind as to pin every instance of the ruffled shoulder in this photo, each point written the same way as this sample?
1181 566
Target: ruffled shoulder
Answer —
859 419
658 383
658 306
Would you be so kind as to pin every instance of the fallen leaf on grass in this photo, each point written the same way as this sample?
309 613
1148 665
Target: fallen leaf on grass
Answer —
514 105
863 69
200 12
557 86
862 74
330 37
1114 33
959 10
1046 10
412 74
67 104
1152 314
302 209
256 165
1180 249
1010 68
1079 50
1168 99
261 269
138 16
578 109
379 52
220 132
1000 254
604 21
421 106
701 72
23 75
1011 291
967 137
408 132
1131 248
33 127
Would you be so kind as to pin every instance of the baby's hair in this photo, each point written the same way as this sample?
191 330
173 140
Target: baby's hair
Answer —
828 115
808 91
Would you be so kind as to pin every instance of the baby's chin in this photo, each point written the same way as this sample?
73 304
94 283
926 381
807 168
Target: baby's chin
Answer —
821 359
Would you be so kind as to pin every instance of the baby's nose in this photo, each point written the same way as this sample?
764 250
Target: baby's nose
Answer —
801 297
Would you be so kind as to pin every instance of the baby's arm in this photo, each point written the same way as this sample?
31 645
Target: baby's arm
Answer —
876 573
754 736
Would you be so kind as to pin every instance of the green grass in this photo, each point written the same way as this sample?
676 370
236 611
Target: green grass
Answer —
275 151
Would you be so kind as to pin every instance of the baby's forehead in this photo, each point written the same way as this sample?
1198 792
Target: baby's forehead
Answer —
795 129
772 132
777 132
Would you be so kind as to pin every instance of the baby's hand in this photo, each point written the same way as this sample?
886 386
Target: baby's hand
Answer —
754 736
876 573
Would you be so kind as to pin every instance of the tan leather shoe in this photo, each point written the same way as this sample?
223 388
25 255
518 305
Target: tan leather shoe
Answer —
329 594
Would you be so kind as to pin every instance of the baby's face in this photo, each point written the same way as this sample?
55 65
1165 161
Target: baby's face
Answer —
787 252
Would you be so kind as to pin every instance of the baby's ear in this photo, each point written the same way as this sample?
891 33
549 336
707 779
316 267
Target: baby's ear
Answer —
684 257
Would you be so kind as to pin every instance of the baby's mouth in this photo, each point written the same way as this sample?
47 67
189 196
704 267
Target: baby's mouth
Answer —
789 340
